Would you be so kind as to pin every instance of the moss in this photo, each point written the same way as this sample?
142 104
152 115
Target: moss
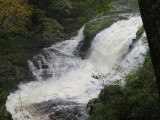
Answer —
98 24
95 26
139 32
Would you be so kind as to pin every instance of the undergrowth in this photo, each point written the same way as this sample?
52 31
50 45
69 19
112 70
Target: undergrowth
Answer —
137 100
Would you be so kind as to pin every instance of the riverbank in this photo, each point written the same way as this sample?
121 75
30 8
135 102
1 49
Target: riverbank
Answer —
16 49
138 99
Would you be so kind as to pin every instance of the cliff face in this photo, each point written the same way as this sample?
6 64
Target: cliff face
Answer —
150 12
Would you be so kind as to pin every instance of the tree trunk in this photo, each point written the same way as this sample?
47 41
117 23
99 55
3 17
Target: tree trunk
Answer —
150 12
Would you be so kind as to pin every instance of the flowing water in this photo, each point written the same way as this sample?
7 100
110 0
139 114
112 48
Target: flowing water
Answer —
64 81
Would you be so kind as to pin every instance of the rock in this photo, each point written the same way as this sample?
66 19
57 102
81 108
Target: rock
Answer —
92 28
61 110
90 105
44 66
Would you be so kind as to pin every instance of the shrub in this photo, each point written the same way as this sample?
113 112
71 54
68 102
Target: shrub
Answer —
51 27
61 6
138 99
81 20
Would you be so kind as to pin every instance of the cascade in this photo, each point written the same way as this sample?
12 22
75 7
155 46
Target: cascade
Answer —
65 82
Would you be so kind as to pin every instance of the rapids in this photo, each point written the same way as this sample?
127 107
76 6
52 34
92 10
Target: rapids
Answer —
63 75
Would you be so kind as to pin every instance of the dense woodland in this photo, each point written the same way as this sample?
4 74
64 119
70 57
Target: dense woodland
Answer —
28 26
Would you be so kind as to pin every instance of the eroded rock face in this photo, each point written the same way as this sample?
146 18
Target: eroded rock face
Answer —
59 110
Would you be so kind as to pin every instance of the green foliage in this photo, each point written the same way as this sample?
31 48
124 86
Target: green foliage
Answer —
11 12
96 5
51 27
15 49
138 99
45 25
49 17
53 7
61 6
98 24
81 20
37 15
4 115
12 59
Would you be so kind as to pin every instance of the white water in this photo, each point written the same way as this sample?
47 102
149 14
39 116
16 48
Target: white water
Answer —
71 77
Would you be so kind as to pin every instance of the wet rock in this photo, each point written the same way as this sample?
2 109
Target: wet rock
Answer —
44 66
62 110
78 48
90 105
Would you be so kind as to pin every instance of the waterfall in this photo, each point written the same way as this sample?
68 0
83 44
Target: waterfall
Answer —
57 59
63 76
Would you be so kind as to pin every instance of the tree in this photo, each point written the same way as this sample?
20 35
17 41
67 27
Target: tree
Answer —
14 15
61 6
96 5
150 12
53 8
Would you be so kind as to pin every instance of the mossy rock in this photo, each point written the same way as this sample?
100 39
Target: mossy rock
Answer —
140 33
93 27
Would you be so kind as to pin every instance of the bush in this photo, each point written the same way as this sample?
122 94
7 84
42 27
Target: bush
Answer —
50 27
81 20
61 6
138 99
